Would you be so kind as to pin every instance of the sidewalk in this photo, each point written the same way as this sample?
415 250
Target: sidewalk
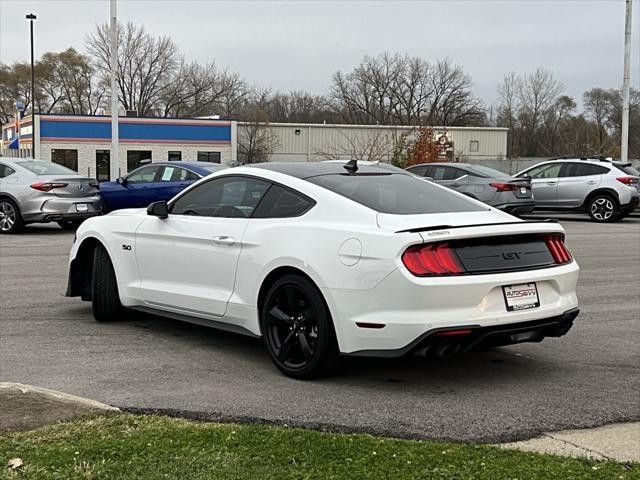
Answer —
24 407
619 442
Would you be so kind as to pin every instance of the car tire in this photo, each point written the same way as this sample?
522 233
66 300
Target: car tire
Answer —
69 224
11 220
106 304
603 208
297 329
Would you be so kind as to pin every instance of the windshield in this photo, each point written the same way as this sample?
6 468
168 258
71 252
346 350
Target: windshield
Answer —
486 171
46 168
399 194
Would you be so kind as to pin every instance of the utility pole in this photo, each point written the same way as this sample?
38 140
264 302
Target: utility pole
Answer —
114 160
31 17
624 150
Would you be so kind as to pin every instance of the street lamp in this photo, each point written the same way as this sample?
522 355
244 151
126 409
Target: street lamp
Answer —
31 17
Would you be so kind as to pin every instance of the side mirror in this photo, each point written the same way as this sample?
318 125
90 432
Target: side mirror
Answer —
158 209
121 180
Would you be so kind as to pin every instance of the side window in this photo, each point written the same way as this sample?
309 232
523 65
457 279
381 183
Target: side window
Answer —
5 171
582 170
420 171
144 175
280 202
551 170
176 174
445 173
230 197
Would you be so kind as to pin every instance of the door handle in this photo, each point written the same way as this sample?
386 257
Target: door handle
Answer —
224 240
551 183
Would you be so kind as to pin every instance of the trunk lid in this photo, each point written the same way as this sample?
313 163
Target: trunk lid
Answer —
77 186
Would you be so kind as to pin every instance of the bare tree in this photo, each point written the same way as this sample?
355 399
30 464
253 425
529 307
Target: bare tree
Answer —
537 93
374 145
147 65
508 108
256 141
598 106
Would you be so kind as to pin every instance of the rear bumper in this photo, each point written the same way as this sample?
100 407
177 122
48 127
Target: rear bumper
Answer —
479 338
517 208
56 209
631 206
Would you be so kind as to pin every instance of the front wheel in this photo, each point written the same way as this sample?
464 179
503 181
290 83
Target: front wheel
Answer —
297 329
105 300
603 209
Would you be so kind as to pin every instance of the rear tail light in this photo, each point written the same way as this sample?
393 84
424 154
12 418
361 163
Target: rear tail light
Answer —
47 186
431 259
504 187
628 180
555 244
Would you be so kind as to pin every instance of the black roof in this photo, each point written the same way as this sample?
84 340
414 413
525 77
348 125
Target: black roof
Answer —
313 169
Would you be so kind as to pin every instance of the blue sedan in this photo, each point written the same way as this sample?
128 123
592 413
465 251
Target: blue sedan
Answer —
153 182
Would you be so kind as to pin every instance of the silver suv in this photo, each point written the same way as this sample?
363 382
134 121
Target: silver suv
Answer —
606 190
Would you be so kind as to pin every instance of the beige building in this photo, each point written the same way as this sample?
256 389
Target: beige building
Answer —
315 142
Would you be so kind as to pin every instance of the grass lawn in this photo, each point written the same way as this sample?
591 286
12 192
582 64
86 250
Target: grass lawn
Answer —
123 446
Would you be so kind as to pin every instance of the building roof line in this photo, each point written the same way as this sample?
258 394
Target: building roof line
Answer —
389 127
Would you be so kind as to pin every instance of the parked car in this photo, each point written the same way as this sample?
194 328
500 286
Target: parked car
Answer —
153 182
493 187
606 190
34 191
321 261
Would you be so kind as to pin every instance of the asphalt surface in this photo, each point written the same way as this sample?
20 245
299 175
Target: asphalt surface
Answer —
587 378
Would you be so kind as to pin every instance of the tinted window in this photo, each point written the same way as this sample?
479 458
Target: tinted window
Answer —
446 173
231 197
213 157
550 170
5 171
397 194
46 168
176 174
174 156
136 158
280 202
583 170
67 158
421 170
629 170
143 175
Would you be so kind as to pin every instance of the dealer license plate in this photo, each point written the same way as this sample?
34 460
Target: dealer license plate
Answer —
521 297
82 207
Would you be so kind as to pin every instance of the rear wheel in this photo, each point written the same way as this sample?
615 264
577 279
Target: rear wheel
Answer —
297 329
69 224
604 209
10 218
104 289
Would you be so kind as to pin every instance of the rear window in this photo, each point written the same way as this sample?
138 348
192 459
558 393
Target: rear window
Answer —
395 194
629 170
46 168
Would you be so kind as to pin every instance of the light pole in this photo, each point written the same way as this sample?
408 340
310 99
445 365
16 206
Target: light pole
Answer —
626 80
31 17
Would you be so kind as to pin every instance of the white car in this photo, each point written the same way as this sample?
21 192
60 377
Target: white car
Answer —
323 259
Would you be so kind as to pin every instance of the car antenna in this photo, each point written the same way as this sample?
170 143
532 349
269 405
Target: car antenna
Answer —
351 166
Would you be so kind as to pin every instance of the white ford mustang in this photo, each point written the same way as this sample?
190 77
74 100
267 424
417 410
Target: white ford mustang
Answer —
323 259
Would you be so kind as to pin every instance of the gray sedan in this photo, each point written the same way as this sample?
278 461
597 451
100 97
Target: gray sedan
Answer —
33 191
493 187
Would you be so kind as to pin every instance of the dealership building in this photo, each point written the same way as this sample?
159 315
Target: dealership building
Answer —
83 143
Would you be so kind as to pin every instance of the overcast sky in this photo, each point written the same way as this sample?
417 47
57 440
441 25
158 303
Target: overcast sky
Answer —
290 45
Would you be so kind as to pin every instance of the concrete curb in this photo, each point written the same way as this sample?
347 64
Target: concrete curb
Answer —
59 396
619 442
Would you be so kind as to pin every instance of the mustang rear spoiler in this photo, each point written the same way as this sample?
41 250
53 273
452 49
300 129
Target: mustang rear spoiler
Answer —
448 227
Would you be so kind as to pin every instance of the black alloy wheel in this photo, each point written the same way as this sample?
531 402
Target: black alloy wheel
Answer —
297 328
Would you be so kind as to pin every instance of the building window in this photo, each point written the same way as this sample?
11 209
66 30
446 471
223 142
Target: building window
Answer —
103 165
67 158
136 158
175 156
474 146
209 157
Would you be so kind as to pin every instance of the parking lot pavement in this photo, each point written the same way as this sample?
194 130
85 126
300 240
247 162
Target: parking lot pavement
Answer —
589 377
